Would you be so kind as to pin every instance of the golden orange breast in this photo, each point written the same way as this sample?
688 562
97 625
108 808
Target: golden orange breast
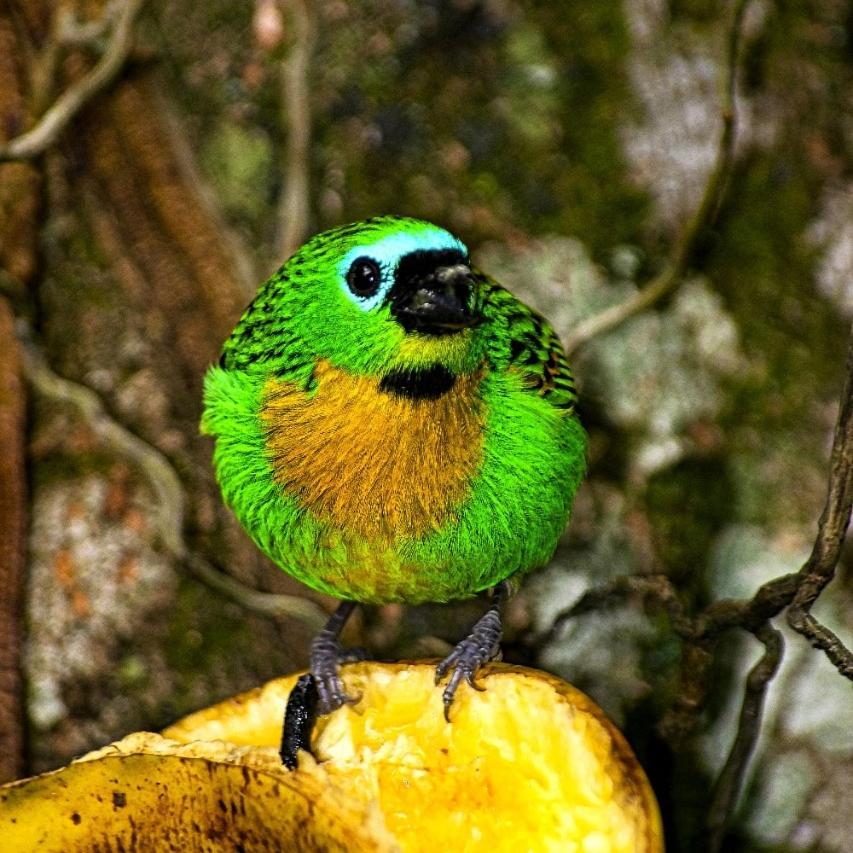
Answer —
371 462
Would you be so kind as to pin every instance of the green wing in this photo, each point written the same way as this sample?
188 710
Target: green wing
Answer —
264 341
523 341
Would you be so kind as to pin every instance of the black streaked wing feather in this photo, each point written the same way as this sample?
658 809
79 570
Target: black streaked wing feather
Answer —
524 341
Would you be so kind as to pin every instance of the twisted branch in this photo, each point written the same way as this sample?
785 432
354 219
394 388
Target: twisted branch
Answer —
45 133
730 781
703 217
820 567
296 113
795 592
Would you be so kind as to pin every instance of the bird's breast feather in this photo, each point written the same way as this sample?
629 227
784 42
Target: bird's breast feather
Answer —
370 462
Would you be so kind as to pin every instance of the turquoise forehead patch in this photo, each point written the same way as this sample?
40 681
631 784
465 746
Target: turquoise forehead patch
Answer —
387 252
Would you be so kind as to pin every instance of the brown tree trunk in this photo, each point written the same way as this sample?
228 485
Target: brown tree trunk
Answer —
12 530
19 203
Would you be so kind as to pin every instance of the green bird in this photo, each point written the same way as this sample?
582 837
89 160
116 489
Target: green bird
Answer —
392 425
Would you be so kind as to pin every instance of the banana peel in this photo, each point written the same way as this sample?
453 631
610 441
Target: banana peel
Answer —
530 763
150 793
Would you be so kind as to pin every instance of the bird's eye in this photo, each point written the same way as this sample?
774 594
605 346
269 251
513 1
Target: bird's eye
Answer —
364 277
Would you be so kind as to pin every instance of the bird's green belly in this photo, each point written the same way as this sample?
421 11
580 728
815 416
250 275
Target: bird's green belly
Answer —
530 461
378 573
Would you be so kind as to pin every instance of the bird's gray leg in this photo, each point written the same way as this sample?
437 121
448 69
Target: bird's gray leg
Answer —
327 655
318 691
480 646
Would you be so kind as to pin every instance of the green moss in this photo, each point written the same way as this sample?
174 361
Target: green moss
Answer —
697 11
794 339
598 203
687 505
239 162
207 642
131 673
213 648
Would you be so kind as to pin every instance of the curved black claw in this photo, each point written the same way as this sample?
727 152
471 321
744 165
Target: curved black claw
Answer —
477 649
327 655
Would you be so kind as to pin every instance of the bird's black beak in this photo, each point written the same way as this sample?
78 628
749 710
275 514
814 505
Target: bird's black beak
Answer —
433 294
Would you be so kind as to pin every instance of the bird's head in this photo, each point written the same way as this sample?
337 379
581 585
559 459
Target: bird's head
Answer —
385 297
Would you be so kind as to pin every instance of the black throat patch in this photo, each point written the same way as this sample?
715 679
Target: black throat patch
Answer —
425 383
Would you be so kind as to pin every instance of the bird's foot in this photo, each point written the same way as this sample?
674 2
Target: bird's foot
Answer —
319 691
475 651
327 655
306 699
326 661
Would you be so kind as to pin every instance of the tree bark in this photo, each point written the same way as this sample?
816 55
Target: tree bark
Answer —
20 186
12 532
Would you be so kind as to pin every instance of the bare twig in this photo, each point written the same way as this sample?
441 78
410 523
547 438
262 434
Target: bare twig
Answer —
676 265
822 638
730 781
271 604
45 133
798 592
74 33
293 207
658 588
832 528
770 599
170 500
